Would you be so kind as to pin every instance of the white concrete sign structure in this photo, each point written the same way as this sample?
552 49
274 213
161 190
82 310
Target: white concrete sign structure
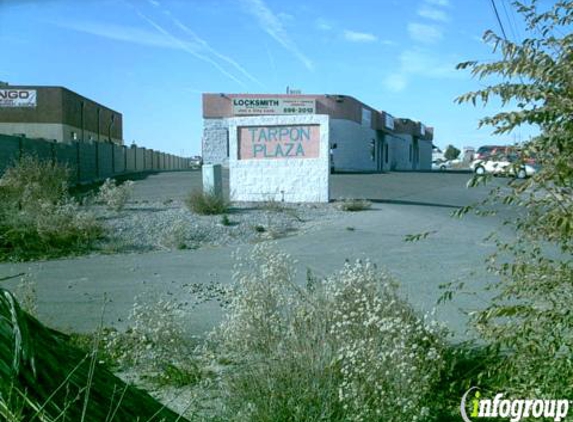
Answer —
14 97
279 158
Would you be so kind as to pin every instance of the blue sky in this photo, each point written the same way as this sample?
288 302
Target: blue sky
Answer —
152 59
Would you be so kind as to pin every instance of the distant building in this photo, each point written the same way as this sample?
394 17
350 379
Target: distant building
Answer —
56 113
361 138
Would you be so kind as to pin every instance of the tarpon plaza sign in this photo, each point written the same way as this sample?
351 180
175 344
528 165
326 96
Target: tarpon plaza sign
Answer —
276 142
14 97
244 106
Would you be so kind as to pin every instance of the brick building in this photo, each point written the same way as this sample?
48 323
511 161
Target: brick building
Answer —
56 113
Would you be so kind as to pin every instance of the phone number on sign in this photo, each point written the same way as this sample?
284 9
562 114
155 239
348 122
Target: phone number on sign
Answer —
299 110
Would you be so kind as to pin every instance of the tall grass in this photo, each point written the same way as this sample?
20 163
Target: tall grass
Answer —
38 217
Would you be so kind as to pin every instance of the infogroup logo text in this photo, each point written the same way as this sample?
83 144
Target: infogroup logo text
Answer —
513 409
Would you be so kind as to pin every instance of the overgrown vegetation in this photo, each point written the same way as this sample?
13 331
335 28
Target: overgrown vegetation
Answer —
38 217
206 203
346 348
528 323
114 196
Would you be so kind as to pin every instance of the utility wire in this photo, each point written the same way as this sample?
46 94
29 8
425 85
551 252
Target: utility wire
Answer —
510 22
498 19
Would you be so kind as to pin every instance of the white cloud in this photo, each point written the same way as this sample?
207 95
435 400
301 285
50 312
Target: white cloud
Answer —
427 34
359 36
433 14
395 82
272 25
387 42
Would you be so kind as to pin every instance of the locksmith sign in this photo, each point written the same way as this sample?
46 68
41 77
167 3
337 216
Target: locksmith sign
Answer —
14 97
243 106
279 142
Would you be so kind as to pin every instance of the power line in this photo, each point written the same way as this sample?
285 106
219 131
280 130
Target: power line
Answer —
498 19
511 22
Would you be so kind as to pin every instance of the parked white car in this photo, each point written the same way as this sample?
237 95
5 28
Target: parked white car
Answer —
503 165
441 165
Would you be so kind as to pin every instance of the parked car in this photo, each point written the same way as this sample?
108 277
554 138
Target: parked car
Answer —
441 165
504 164
196 161
486 151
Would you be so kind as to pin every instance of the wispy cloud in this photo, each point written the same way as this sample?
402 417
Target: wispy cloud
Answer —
421 63
186 40
273 26
122 33
196 39
190 48
354 36
387 42
395 82
427 34
323 24
439 2
433 13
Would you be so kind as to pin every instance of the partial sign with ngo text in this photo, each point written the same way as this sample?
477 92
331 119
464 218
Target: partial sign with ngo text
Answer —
13 97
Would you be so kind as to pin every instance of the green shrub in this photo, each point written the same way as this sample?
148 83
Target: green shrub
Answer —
38 219
206 203
346 348
114 196
355 205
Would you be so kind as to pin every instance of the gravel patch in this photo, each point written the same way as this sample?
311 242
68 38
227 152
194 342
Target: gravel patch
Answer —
146 226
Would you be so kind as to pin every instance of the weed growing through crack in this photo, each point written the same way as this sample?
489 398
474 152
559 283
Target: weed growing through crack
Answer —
206 203
114 196
354 205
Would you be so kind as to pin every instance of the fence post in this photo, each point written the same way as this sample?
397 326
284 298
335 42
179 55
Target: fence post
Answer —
97 159
78 161
53 152
20 148
112 158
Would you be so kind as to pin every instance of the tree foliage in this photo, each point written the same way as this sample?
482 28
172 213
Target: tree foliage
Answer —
451 153
529 319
